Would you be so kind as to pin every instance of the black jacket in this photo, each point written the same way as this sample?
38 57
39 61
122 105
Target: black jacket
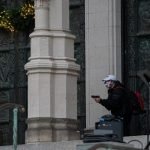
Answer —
117 102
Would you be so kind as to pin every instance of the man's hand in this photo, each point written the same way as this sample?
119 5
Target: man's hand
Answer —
96 98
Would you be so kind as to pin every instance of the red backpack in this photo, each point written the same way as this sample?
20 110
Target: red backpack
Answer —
136 101
140 100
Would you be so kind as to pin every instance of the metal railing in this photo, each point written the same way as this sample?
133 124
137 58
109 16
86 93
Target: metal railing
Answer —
16 108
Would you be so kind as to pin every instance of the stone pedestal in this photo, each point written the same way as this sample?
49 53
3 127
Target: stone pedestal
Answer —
64 129
51 129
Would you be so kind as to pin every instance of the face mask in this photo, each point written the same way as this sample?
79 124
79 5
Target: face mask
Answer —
109 84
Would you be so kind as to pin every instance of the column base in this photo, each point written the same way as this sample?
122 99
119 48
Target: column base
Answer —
51 130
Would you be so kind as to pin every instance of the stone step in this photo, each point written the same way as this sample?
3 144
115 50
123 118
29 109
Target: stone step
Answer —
106 146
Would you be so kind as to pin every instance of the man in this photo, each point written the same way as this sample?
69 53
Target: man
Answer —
117 101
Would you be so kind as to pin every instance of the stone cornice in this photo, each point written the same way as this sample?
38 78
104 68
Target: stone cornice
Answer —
49 33
54 123
57 65
41 33
65 34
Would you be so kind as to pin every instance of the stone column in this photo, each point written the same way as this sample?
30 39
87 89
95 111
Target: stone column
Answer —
103 51
52 76
65 73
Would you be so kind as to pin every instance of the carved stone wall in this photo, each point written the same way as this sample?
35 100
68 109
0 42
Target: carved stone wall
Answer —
14 52
136 54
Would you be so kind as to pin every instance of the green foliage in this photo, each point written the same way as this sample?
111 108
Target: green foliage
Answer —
17 19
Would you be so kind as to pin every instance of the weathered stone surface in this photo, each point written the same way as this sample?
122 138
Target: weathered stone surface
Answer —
51 130
65 145
105 146
72 145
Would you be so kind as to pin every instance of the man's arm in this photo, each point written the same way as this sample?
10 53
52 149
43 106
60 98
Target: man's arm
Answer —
114 101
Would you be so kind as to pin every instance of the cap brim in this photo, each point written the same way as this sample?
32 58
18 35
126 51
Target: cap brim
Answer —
106 79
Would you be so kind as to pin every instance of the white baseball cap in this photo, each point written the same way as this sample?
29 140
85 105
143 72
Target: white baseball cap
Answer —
110 77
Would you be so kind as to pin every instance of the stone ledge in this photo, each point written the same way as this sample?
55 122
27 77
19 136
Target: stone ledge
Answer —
64 145
72 145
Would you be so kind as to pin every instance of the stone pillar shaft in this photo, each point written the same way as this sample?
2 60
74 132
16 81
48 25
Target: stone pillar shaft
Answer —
41 14
59 14
103 51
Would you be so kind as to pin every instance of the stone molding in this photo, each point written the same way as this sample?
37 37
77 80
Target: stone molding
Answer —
52 33
65 68
51 129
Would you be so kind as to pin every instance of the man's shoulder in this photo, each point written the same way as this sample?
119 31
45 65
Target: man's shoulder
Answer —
119 89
